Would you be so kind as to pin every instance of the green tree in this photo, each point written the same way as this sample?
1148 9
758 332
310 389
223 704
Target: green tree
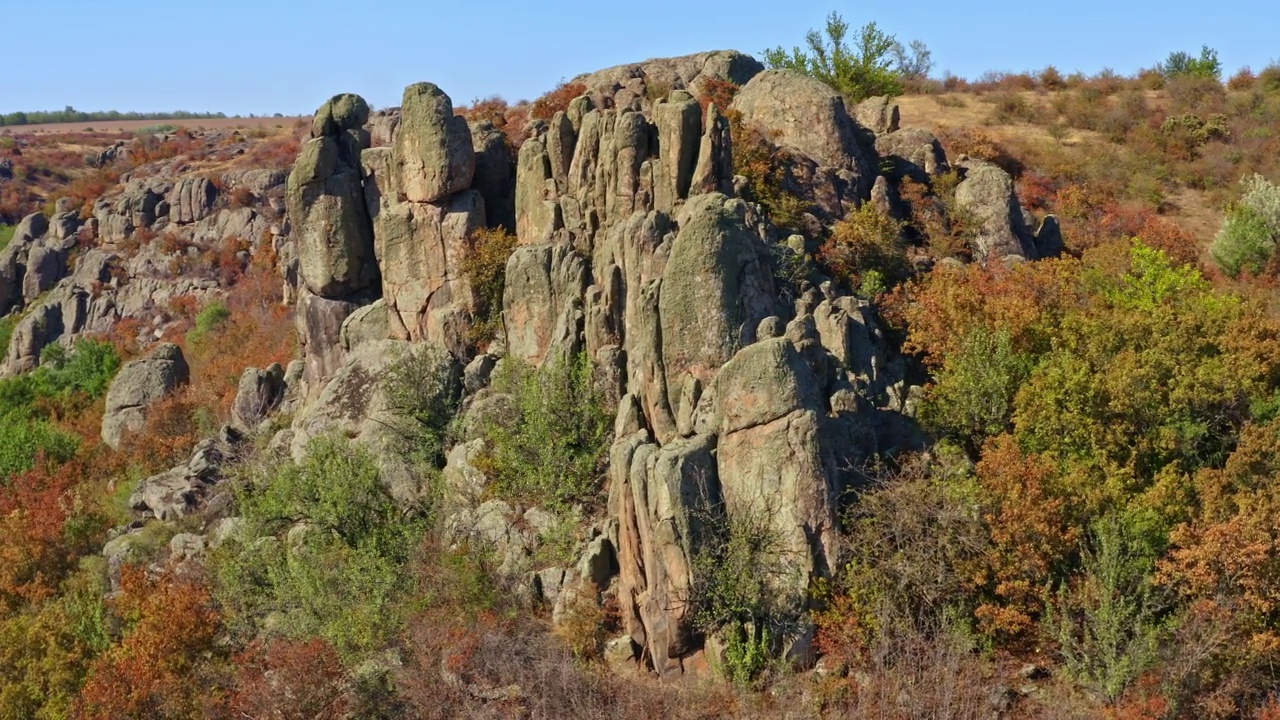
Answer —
1247 238
1182 64
1108 620
858 72
973 397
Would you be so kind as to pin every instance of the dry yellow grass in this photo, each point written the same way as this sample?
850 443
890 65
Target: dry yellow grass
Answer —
1198 211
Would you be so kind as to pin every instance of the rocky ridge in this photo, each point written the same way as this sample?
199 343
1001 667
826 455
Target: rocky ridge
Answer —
635 249
738 400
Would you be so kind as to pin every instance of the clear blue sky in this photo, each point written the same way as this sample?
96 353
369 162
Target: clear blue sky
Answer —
267 56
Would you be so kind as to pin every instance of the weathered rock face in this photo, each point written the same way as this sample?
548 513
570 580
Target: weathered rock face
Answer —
802 114
716 289
662 495
420 246
542 302
734 406
38 328
138 385
495 177
433 155
326 203
630 87
93 297
424 211
333 231
192 200
771 463
987 192
576 179
319 321
36 258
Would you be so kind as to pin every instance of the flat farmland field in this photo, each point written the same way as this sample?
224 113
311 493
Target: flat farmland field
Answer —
135 125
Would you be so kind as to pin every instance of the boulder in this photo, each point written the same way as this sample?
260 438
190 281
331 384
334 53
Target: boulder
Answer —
771 464
878 114
987 193
259 392
433 152
138 385
31 227
368 324
804 114
339 114
64 226
45 267
43 325
331 224
178 492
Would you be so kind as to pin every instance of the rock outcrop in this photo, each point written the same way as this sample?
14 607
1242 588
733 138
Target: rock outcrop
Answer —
809 120
140 384
326 203
635 86
744 395
987 193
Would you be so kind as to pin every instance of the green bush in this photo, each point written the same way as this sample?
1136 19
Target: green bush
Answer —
1182 64
87 368
209 317
1247 239
422 390
6 332
6 234
1108 621
974 393
736 588
323 552
748 650
70 378
23 440
553 453
1243 243
858 72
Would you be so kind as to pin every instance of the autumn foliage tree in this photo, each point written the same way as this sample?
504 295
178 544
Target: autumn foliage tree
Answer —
167 662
